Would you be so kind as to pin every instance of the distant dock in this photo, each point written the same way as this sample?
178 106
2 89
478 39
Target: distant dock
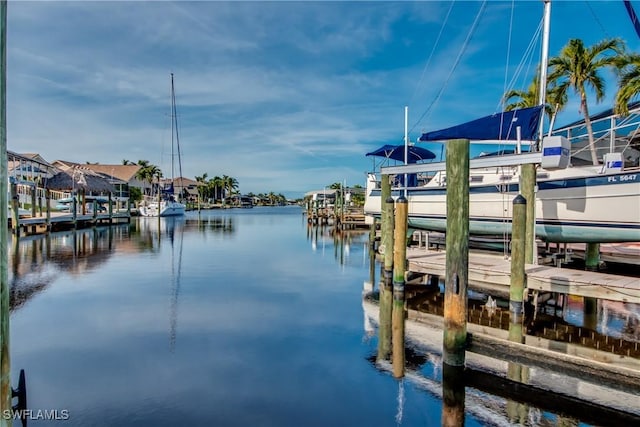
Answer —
56 221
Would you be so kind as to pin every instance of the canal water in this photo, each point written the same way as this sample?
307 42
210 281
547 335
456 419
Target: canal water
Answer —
243 317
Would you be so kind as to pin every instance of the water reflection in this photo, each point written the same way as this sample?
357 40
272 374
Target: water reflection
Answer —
494 391
349 246
38 260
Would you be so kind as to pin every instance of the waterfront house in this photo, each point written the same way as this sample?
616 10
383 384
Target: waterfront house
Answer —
120 177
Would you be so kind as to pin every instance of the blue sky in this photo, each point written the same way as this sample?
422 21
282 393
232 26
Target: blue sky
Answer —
283 96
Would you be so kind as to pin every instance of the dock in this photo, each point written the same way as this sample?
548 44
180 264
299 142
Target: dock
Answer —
29 225
492 274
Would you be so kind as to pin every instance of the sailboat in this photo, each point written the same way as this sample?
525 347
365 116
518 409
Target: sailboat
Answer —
578 204
166 203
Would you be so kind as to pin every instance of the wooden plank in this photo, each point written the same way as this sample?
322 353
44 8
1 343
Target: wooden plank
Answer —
493 273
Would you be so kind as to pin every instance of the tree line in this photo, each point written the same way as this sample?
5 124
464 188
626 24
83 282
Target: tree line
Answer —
578 68
215 189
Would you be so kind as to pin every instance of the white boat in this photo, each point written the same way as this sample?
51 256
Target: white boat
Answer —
583 204
167 205
579 204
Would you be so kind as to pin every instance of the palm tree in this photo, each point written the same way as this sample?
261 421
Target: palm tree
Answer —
577 67
202 185
230 184
154 173
148 172
629 83
556 99
143 172
126 162
215 184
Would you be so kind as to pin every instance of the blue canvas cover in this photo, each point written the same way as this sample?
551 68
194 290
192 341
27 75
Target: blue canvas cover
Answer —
167 188
499 126
396 152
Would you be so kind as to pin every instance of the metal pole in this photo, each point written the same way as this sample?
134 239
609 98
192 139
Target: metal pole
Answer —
5 366
544 62
406 145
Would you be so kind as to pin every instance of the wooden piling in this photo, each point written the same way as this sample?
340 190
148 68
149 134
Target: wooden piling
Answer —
5 366
74 209
592 257
384 329
457 256
453 395
400 243
518 250
516 411
95 210
372 253
47 196
387 227
15 215
110 209
386 282
40 212
590 309
527 189
33 201
399 267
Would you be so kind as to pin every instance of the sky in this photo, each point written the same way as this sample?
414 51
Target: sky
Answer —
283 96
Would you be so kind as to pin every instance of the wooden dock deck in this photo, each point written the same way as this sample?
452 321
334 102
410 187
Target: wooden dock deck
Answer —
492 273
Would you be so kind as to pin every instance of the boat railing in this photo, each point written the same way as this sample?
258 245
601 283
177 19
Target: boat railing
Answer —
612 133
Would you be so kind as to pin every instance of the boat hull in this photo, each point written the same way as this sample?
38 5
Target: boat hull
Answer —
571 206
167 208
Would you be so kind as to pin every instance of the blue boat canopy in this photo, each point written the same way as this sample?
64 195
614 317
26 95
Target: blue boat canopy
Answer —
396 152
499 126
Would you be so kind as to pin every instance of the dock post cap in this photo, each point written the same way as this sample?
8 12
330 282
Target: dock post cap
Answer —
519 200
402 199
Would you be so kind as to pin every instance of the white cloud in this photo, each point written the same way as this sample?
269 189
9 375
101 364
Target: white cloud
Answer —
266 90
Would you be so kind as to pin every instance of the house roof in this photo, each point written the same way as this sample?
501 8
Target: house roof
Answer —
76 178
186 182
27 157
122 172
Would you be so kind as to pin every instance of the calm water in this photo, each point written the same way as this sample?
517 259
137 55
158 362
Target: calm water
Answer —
234 318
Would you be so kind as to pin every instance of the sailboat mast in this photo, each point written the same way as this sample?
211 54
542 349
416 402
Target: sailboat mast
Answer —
544 63
173 121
